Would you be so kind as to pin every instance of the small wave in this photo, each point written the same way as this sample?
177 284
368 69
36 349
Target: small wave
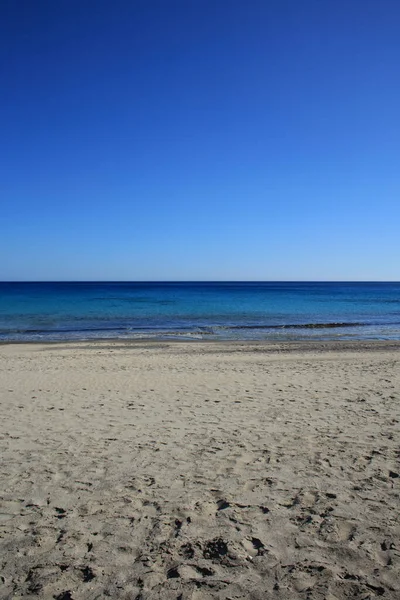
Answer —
300 326
183 330
60 331
326 330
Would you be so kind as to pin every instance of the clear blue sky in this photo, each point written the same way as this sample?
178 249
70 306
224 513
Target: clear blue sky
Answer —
199 139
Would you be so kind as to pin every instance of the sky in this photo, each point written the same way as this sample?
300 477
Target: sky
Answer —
199 140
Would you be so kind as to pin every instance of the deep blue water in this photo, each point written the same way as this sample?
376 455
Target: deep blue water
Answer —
259 311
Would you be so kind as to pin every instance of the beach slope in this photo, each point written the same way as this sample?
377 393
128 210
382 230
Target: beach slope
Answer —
198 471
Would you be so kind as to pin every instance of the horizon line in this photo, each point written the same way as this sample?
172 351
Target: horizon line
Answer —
180 281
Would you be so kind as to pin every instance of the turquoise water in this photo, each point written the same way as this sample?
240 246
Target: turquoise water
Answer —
258 311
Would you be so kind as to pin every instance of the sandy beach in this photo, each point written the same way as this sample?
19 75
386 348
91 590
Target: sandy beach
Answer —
200 471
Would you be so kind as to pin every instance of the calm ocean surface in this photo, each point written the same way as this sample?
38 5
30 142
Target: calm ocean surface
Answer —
251 311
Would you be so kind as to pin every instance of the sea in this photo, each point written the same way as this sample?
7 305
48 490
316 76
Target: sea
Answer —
270 311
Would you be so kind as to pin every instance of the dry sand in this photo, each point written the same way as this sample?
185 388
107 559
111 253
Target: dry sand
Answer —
199 471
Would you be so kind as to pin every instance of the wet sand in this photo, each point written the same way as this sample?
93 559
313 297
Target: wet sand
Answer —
200 470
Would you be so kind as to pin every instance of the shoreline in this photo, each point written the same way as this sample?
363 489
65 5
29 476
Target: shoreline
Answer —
237 345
